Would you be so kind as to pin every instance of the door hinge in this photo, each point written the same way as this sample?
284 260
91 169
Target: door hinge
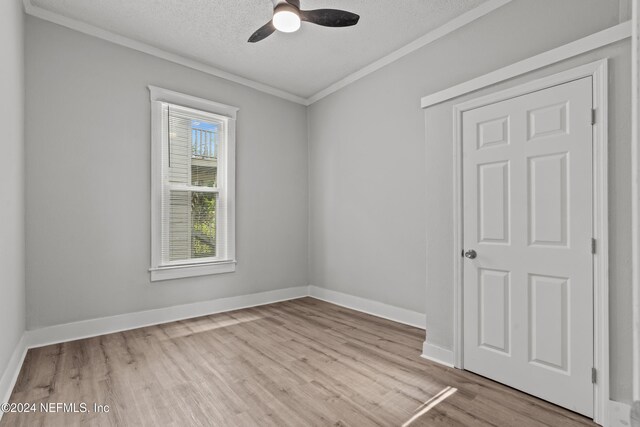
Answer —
593 116
593 245
594 375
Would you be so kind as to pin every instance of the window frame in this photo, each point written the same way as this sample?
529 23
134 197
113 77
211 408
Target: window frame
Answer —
226 186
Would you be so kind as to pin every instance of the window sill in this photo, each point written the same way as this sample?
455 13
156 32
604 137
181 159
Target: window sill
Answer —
182 271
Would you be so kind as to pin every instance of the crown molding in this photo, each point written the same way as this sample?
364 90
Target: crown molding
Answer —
103 34
100 33
430 37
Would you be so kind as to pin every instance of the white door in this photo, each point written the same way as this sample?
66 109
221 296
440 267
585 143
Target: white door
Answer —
528 293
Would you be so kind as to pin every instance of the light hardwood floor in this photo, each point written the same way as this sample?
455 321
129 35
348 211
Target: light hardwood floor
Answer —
296 363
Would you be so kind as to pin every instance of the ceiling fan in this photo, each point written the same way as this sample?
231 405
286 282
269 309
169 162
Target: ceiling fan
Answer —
287 17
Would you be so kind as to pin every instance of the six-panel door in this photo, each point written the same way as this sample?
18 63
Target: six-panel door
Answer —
527 199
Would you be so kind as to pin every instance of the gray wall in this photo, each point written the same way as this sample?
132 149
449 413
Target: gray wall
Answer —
88 181
373 195
12 298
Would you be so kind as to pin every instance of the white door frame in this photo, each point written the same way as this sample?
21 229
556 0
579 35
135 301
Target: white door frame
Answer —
598 71
635 194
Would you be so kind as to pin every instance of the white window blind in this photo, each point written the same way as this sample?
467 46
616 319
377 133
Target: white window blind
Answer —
195 218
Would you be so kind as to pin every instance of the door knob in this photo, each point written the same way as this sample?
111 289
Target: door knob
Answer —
471 254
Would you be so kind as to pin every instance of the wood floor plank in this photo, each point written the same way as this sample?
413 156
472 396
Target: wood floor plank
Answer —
296 363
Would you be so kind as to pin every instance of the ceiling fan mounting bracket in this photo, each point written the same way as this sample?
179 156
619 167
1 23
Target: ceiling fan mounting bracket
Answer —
286 6
294 3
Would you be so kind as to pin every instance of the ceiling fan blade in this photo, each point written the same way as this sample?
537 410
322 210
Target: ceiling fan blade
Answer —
263 32
330 17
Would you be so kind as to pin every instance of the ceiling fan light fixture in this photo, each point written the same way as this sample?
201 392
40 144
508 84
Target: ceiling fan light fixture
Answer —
286 18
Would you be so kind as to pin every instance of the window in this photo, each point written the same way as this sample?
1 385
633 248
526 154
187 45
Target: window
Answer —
193 186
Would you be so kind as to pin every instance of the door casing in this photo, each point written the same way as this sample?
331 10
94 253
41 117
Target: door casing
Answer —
598 71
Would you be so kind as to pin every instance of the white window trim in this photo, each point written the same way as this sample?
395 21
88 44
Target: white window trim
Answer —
196 267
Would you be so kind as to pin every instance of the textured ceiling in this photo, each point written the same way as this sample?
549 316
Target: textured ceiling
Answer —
215 32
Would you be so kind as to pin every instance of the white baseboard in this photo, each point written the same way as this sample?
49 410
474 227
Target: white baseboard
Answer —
375 308
635 414
619 414
10 374
438 354
107 325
